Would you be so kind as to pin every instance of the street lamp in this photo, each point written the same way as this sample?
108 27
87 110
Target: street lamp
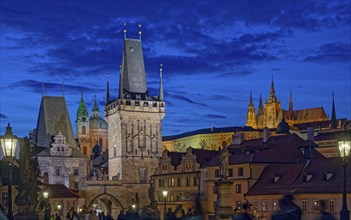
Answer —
8 144
45 196
344 148
164 193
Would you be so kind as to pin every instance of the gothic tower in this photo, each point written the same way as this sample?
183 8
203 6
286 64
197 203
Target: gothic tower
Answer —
82 126
333 116
260 115
251 114
272 109
135 121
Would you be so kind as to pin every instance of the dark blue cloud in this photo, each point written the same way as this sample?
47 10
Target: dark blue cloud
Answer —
331 52
2 116
215 116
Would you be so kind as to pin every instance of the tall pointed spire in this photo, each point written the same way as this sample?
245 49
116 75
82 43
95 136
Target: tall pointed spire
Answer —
272 97
333 117
251 102
161 85
120 83
107 90
260 106
96 111
291 102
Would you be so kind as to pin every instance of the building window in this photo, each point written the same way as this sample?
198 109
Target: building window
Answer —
195 181
216 173
238 204
57 172
172 181
114 151
179 182
238 188
264 205
161 183
240 171
178 198
230 172
304 205
75 186
316 206
76 171
188 181
84 130
164 167
275 205
214 205
331 205
214 189
143 174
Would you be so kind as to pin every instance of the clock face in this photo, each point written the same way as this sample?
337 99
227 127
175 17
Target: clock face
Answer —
83 119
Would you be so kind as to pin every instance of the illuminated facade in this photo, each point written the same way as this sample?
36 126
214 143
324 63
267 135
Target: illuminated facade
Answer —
208 139
271 113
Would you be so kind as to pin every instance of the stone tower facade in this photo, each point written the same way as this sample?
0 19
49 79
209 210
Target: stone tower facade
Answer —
272 109
82 125
251 114
135 121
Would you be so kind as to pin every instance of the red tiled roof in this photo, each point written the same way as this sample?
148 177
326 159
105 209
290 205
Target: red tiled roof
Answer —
309 114
291 178
322 125
330 135
202 156
61 191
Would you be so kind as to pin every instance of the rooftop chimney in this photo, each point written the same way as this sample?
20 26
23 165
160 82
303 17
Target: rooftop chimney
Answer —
266 134
237 138
310 133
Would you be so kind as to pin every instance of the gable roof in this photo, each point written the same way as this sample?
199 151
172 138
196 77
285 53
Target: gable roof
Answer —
61 191
308 114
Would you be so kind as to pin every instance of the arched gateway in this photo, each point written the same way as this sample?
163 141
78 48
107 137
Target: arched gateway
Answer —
106 202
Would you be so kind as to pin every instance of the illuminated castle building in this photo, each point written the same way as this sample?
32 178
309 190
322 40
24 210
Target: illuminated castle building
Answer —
270 114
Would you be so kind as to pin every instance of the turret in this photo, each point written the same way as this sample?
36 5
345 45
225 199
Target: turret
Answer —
161 98
333 117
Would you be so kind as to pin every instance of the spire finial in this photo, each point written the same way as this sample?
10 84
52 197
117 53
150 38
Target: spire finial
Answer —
139 32
81 94
333 117
63 89
291 102
120 82
125 30
251 102
107 90
161 84
42 88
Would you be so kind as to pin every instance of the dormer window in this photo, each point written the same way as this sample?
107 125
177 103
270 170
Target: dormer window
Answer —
326 176
275 179
306 177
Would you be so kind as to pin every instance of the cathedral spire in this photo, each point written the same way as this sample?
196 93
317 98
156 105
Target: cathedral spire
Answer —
120 82
161 85
290 102
125 30
272 97
260 104
107 90
251 102
333 117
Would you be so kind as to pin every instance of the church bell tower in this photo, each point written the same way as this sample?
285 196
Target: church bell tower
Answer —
134 120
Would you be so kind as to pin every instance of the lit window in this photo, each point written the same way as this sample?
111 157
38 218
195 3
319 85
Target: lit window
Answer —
264 205
238 204
275 205
238 188
316 205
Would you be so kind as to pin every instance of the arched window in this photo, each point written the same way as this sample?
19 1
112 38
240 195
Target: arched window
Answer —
84 130
85 150
46 178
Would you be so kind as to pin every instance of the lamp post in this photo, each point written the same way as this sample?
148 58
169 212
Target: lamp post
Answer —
45 196
8 144
164 193
344 148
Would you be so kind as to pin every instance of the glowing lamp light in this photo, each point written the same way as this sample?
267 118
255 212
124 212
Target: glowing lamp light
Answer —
344 148
59 207
46 194
8 143
165 193
133 206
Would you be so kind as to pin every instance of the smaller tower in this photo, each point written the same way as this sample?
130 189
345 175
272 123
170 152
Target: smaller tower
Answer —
260 114
272 98
82 125
333 117
251 114
161 85
291 103
107 91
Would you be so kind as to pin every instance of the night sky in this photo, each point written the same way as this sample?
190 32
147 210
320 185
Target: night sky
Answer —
214 53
